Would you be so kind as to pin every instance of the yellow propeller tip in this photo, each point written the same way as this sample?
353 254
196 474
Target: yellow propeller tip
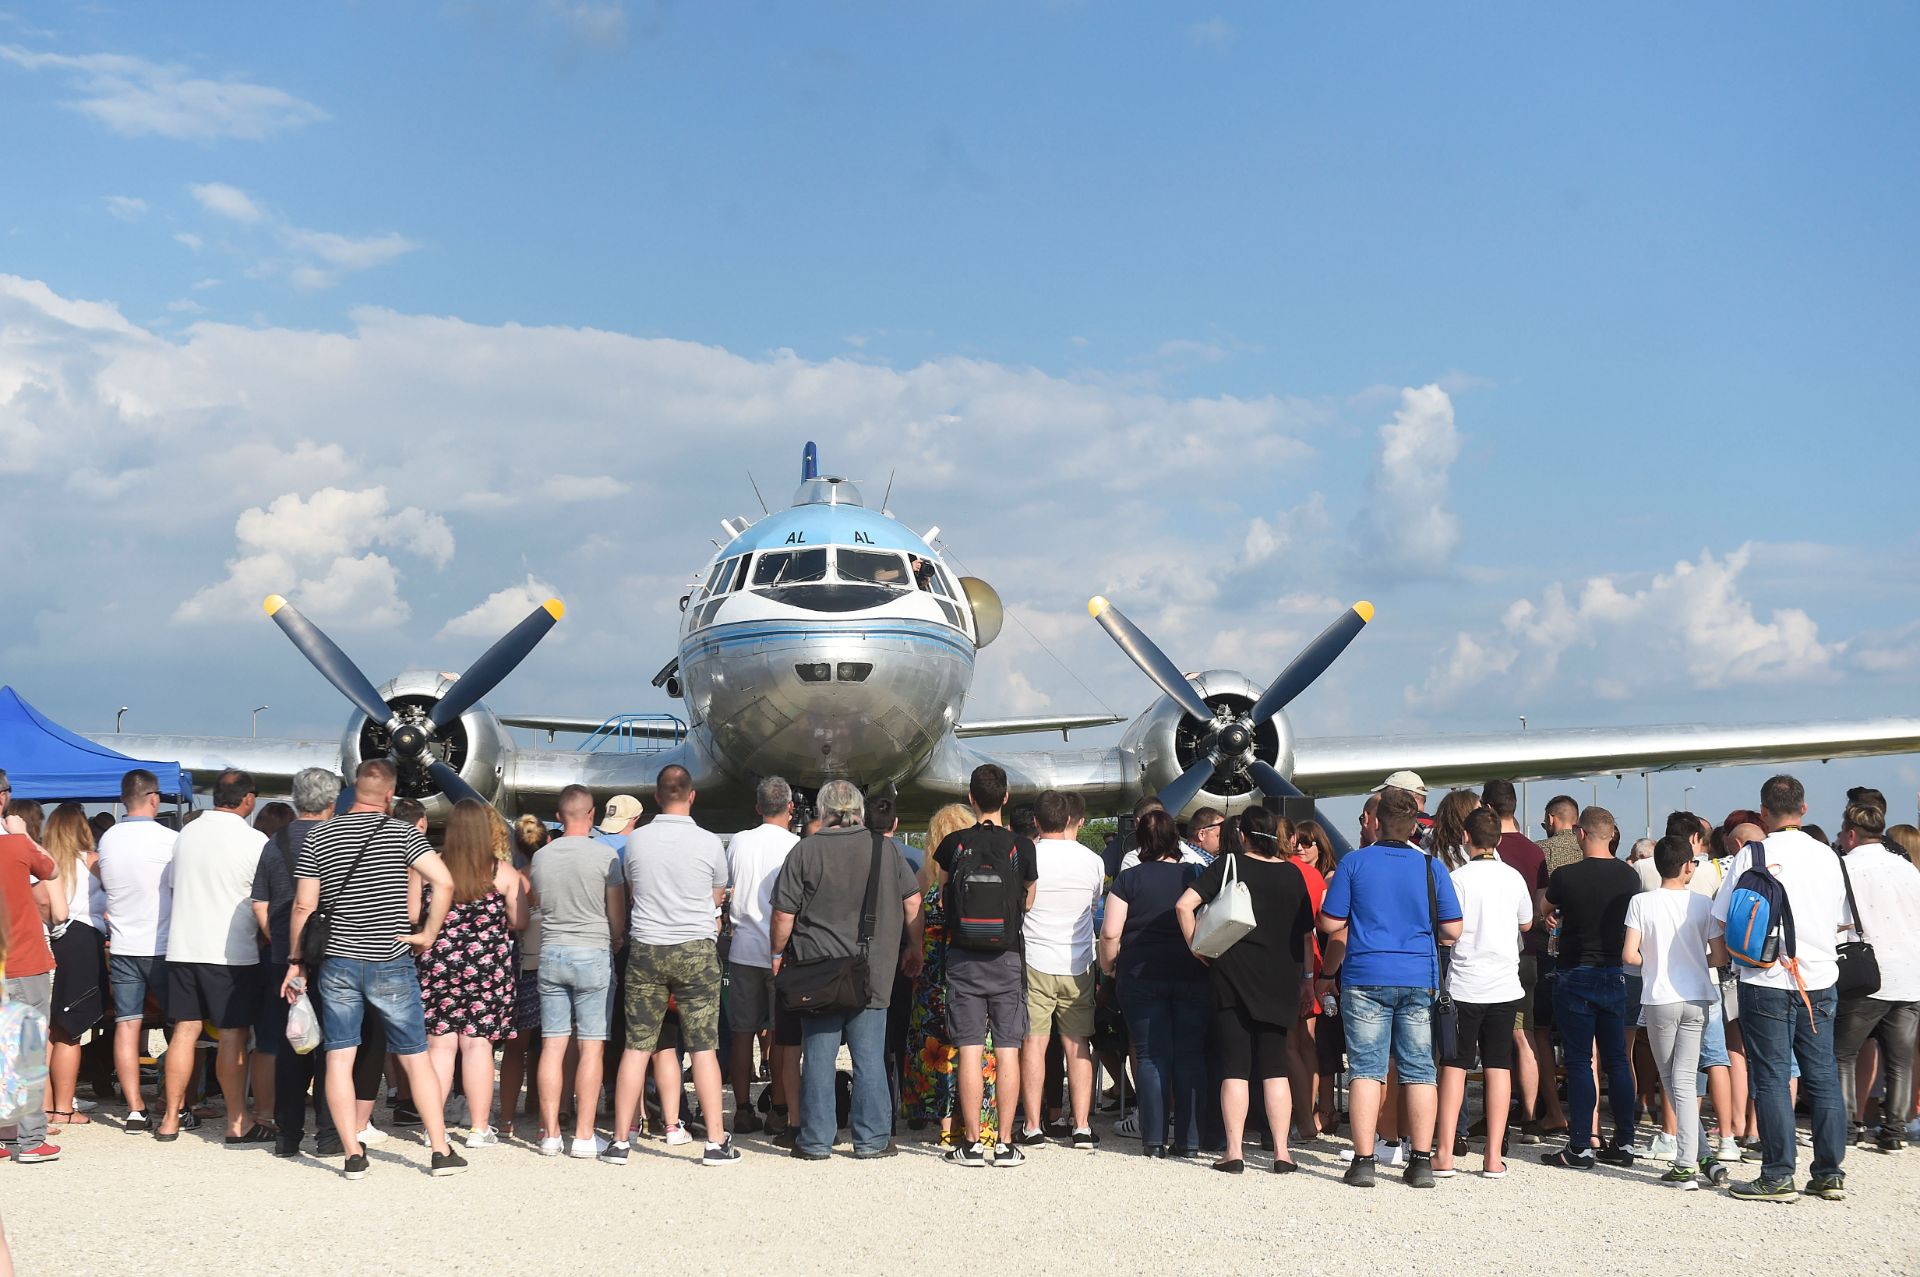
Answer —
274 603
1095 606
1365 609
555 608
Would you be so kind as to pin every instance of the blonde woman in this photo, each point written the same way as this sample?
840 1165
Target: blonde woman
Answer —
929 1090
79 957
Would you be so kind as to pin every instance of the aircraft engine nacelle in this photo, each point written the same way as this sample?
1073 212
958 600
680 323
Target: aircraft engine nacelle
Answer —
1165 740
475 745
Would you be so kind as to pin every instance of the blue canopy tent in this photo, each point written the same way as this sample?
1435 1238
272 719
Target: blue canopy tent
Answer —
45 761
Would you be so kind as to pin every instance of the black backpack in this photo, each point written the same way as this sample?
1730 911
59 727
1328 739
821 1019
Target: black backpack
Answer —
986 895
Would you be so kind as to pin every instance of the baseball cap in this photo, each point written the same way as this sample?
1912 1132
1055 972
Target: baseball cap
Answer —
1409 781
621 810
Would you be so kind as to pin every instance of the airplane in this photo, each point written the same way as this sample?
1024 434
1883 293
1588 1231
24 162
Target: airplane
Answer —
830 641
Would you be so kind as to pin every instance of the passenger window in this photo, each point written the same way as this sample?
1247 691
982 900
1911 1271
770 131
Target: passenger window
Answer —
869 567
790 567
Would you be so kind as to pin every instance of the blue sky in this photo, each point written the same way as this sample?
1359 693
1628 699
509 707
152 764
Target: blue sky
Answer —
1132 276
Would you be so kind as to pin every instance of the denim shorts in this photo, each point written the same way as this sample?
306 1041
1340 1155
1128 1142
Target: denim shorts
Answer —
576 992
349 988
131 978
1380 1019
1713 1040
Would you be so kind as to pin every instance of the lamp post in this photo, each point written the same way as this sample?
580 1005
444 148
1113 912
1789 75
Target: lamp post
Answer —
1526 811
117 719
256 717
1687 798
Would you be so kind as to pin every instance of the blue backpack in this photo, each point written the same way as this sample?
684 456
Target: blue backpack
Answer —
1759 917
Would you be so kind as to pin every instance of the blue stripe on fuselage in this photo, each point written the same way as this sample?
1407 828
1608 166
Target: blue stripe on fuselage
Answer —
718 637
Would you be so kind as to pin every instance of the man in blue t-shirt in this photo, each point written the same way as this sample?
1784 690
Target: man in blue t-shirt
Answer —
1379 917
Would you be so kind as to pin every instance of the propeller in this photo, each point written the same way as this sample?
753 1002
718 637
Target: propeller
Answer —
415 736
1228 738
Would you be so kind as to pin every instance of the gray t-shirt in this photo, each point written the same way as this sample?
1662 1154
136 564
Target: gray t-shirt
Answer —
570 879
673 869
824 885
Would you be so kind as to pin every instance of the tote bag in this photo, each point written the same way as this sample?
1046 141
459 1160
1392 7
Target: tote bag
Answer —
1223 920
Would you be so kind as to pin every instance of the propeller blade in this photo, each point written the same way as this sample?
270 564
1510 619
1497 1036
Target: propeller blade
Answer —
326 656
450 783
1152 661
1312 661
1271 782
1186 785
496 663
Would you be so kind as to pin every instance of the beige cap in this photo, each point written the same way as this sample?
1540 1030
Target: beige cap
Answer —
1409 781
622 810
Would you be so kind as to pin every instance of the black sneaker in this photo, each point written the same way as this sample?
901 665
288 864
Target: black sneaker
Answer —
1568 1159
721 1154
447 1163
286 1148
356 1167
1033 1139
1085 1140
889 1149
1419 1172
1889 1139
1828 1188
746 1121
615 1154
328 1146
801 1154
406 1115
965 1155
1764 1190
1008 1156
1614 1155
787 1137
1360 1173
1529 1132
137 1123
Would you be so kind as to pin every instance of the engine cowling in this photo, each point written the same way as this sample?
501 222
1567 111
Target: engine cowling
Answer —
1165 740
476 745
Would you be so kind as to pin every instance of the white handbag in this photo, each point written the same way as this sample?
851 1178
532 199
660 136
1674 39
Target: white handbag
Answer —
1223 920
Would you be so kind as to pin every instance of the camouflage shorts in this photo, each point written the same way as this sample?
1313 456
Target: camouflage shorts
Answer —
690 974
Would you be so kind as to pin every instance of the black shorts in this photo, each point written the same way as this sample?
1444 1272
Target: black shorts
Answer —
1543 994
786 1024
1248 1049
1486 1031
225 997
1330 1044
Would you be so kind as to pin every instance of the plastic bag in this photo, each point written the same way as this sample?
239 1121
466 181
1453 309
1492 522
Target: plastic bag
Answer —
303 1026
23 1060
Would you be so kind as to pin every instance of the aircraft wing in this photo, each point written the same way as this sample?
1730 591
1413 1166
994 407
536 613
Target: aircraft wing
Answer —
1062 723
272 762
1354 765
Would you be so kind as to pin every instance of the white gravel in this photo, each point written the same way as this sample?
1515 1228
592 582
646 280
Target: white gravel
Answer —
121 1205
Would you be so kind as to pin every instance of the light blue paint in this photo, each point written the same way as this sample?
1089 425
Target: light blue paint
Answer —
818 525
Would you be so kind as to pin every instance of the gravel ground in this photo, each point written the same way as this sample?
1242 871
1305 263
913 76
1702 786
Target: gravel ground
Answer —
123 1205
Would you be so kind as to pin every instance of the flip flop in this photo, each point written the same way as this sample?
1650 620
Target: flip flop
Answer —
257 1134
1493 1174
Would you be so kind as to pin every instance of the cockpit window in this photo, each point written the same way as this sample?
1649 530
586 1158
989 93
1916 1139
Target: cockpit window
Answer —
872 567
790 567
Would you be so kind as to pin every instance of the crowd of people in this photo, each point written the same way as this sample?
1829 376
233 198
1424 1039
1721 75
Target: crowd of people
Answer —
1231 976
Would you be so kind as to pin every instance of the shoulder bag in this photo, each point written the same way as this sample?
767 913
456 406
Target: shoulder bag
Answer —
1225 919
820 985
315 936
1446 1018
1859 968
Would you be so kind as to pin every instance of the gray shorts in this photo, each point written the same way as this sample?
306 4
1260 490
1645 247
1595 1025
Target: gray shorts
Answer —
986 991
749 998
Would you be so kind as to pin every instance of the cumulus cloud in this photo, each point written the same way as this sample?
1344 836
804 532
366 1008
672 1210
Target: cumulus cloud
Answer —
499 611
1691 627
1275 538
308 259
226 201
127 208
134 97
1406 527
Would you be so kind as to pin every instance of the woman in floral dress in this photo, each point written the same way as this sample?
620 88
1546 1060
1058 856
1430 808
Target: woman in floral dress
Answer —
468 980
930 1088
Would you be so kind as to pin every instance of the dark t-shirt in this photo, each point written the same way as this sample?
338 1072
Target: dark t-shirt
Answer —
1012 847
1592 896
824 885
370 914
1523 855
1262 971
1151 946
273 883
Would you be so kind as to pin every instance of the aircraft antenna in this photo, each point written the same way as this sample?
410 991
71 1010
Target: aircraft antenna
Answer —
949 554
889 491
756 492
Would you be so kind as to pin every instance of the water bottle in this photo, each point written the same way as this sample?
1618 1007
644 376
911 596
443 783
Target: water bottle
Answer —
1330 1005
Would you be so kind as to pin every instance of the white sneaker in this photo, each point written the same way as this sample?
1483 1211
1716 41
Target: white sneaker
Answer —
1662 1146
1129 1125
677 1134
83 1106
372 1135
1392 1156
550 1145
586 1149
1730 1151
482 1137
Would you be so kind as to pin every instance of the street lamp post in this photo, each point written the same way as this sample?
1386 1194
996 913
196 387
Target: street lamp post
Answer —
117 719
1526 811
256 717
1687 798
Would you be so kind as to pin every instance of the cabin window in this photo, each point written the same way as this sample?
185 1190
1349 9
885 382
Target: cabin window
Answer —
790 567
872 567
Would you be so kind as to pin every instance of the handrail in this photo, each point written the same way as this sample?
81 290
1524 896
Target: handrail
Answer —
636 734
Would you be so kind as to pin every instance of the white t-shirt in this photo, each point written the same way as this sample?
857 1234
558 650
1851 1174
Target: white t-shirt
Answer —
1674 927
214 862
1707 874
1495 903
1189 855
1648 871
136 868
1887 889
1059 927
1810 871
87 902
754 859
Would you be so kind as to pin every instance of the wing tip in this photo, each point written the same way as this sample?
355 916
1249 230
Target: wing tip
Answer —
555 608
1096 605
1364 609
274 603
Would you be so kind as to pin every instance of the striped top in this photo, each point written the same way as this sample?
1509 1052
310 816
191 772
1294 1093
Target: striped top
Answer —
370 915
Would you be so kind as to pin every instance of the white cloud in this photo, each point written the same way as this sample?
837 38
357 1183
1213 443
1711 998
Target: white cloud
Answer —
574 487
345 252
1689 628
186 306
1215 33
1406 528
126 207
500 611
1267 540
137 98
191 240
226 201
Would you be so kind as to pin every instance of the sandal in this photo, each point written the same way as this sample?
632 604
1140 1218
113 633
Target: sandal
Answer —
68 1117
256 1134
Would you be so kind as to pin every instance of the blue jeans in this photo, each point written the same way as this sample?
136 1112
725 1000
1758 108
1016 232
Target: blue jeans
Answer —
866 1036
1167 1020
1589 1005
576 992
1777 1031
1388 1018
349 988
